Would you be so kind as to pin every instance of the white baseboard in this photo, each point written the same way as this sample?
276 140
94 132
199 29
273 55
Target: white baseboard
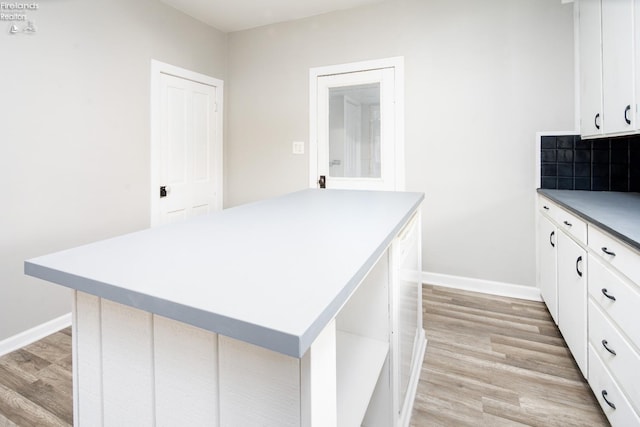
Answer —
34 334
530 293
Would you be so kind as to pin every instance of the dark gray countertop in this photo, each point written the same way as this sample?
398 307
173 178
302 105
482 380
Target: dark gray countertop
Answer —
616 213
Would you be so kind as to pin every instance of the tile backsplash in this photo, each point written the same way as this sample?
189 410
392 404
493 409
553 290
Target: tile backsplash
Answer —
608 164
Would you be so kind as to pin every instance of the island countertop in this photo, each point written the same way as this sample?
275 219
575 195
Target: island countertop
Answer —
272 273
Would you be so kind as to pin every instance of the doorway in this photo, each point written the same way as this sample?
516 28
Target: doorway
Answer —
186 143
357 125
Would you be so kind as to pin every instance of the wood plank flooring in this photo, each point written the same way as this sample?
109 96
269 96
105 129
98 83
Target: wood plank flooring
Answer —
490 361
497 361
36 384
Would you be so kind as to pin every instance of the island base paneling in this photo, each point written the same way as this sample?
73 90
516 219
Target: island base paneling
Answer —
133 367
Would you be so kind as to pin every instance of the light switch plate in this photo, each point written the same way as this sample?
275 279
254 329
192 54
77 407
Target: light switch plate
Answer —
298 147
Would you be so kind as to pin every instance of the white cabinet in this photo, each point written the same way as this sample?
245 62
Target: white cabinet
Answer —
617 66
612 400
309 335
572 298
614 336
636 43
562 274
408 340
590 68
597 312
607 67
547 266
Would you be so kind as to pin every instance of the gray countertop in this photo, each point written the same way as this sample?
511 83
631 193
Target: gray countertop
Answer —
613 212
271 273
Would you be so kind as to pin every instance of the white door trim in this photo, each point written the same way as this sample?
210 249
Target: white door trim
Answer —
395 62
157 69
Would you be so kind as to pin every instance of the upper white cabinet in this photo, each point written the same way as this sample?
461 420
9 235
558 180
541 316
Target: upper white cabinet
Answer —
607 66
590 68
617 66
636 43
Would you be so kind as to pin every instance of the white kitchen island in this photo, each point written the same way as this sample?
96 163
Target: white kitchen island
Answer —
302 310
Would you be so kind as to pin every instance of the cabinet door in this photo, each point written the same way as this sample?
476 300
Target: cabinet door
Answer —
547 268
408 312
617 66
572 298
590 68
637 59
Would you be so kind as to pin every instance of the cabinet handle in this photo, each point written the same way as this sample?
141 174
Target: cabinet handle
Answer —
604 249
551 239
546 208
604 396
595 121
626 114
604 292
577 265
568 224
606 347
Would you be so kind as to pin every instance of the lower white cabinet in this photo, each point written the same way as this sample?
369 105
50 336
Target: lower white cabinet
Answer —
599 313
613 401
614 328
562 275
572 298
408 337
547 264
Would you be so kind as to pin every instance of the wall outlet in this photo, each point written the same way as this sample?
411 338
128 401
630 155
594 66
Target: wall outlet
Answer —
298 147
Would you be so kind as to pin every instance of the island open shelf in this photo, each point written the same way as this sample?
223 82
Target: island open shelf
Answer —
293 311
360 362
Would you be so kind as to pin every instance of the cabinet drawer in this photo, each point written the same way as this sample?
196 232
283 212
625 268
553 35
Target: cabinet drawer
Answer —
572 225
547 207
626 260
605 389
624 365
566 221
624 310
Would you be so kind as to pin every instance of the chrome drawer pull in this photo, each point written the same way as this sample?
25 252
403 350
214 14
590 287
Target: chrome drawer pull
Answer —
604 249
568 224
611 297
606 347
604 396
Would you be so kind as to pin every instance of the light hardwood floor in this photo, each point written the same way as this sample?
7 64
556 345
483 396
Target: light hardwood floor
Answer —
35 384
497 361
490 361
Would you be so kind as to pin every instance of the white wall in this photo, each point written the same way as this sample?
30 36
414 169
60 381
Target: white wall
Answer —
481 79
74 132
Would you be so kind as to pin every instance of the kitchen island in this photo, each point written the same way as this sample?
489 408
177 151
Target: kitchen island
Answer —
302 310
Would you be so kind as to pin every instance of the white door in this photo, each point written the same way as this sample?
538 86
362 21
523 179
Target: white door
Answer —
187 175
356 130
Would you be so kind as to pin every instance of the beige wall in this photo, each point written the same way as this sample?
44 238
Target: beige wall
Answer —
481 79
74 132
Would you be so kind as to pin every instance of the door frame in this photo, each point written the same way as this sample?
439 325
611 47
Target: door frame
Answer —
397 63
157 69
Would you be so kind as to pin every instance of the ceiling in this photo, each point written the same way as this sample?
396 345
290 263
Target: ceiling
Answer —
235 15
